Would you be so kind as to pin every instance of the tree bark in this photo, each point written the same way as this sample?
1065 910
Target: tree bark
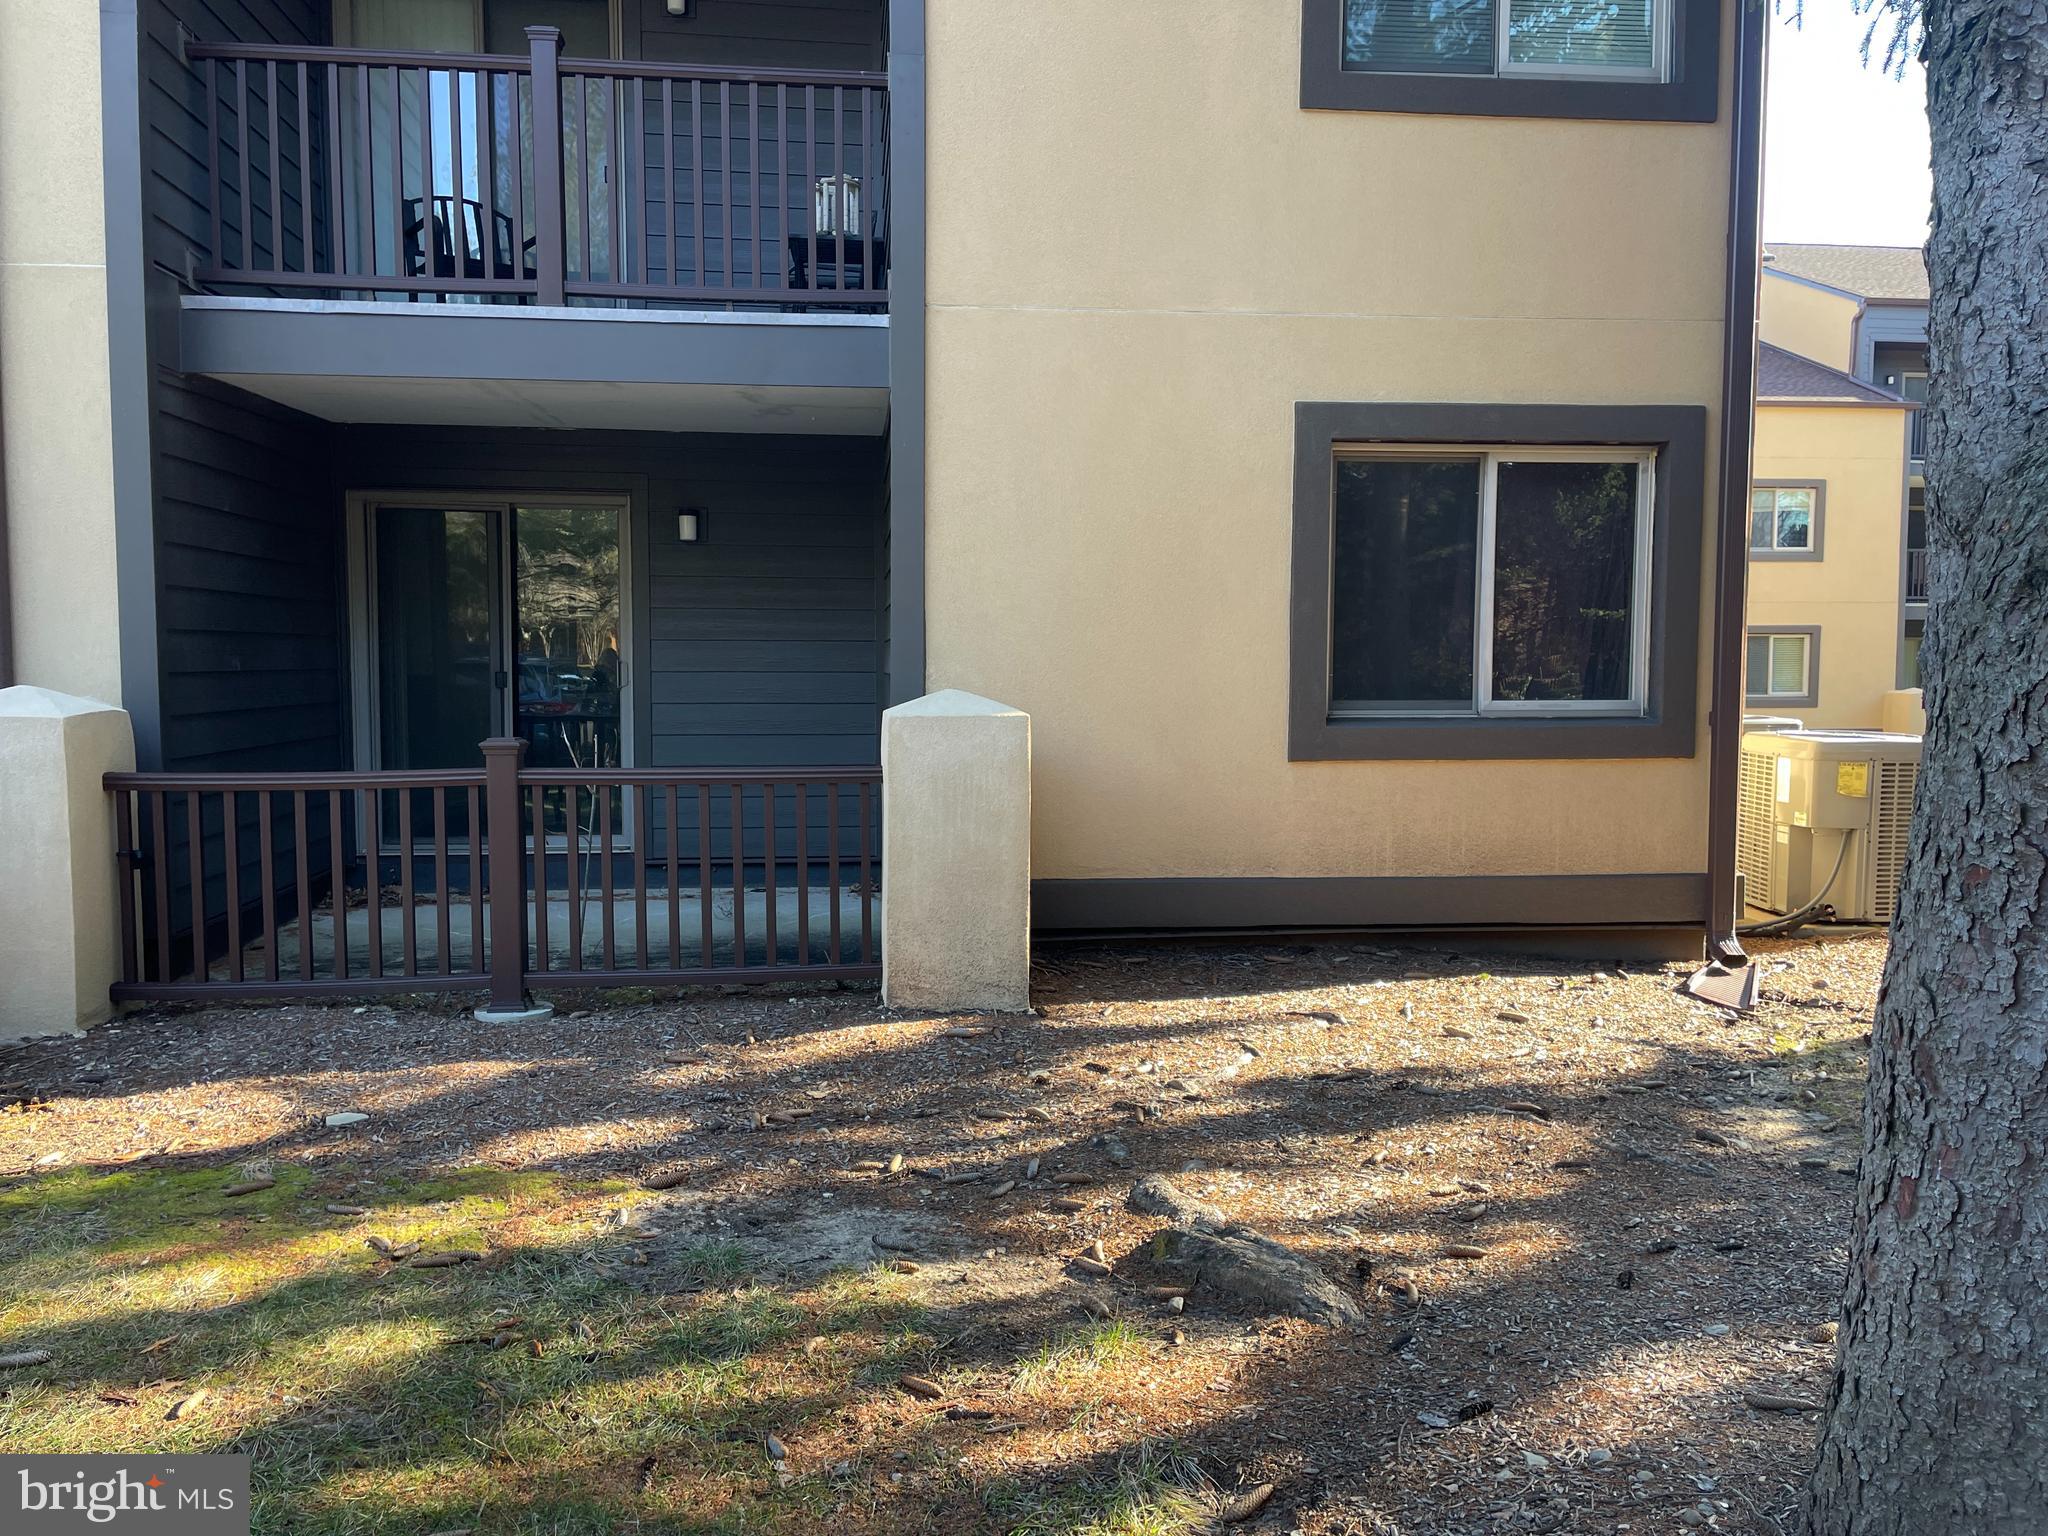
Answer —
1938 1417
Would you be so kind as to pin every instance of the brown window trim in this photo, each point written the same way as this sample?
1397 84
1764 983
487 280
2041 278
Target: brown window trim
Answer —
1668 727
1691 95
1816 535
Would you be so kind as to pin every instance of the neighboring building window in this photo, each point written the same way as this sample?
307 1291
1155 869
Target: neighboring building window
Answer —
1916 631
1556 38
1780 667
1643 60
1503 581
1781 518
1495 581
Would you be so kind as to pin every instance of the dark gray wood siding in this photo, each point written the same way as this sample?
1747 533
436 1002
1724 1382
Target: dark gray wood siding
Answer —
174 116
759 646
789 34
250 583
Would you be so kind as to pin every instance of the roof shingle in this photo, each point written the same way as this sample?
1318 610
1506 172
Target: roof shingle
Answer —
1894 272
1782 375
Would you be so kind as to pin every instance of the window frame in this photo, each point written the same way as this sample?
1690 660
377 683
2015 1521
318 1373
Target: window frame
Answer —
1673 437
1809 697
1485 576
1685 87
1815 527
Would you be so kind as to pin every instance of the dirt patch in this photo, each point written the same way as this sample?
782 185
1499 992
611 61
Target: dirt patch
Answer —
1580 1215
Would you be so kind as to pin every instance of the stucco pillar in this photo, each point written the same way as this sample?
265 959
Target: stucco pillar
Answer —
956 854
59 924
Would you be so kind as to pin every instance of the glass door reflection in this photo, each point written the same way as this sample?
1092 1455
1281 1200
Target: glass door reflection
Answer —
437 643
567 654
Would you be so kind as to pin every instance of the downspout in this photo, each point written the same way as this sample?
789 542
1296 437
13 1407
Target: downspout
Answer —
6 589
1738 398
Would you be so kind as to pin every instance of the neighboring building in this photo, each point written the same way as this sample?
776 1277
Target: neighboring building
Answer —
1826 556
1859 310
1332 431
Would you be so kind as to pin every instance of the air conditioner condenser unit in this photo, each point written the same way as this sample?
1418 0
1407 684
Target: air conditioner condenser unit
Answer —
1809 799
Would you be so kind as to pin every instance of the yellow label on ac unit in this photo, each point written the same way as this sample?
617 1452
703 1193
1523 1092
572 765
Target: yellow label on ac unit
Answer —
1852 780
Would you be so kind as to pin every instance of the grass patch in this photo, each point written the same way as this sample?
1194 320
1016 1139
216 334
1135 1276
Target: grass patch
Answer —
372 1397
716 1262
1078 1351
1155 1490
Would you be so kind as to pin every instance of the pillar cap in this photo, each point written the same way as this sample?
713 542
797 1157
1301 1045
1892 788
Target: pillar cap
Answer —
952 701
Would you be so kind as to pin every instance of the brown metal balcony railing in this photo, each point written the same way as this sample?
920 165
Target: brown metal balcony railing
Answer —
543 179
1916 575
501 878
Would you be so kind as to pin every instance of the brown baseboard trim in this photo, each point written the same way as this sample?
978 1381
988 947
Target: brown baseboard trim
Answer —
1405 902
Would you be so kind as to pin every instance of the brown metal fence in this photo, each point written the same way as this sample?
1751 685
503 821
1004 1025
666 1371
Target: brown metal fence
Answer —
537 178
288 885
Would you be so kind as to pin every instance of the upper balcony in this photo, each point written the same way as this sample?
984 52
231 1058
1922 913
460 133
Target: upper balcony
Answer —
348 173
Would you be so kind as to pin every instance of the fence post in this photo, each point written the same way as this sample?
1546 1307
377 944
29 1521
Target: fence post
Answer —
550 232
506 851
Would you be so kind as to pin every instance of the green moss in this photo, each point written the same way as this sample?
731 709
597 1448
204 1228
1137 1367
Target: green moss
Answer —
152 1206
501 1187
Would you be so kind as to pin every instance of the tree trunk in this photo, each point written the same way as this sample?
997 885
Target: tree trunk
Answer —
1938 1417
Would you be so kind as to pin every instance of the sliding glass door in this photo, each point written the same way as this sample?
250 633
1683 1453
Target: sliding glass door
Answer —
477 618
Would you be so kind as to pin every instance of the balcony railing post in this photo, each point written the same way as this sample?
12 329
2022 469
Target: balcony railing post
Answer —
503 757
548 226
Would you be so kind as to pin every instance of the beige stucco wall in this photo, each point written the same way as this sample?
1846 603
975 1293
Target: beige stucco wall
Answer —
1852 592
53 349
1814 322
1142 254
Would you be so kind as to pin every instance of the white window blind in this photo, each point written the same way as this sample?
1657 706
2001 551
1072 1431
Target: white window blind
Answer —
1420 37
1592 35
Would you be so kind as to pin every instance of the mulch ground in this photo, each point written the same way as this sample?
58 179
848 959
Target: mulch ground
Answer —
1650 1195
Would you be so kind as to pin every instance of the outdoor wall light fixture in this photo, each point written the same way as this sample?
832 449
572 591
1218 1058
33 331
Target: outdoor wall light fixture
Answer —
679 7
689 525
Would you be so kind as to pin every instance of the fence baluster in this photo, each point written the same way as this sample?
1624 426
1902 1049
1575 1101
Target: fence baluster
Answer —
160 880
704 871
476 884
539 824
409 946
266 870
640 853
575 892
124 864
668 170
867 885
337 246
373 876
739 875
605 891
803 880
832 864
216 194
441 923
305 171
195 856
337 883
304 883
771 917
675 893
231 880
